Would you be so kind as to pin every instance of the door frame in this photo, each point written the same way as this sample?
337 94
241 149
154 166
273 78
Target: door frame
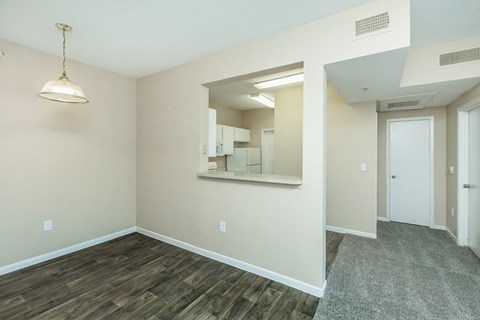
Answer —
462 164
432 164
263 153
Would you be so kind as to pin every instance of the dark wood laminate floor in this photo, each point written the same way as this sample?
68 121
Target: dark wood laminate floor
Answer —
136 277
333 241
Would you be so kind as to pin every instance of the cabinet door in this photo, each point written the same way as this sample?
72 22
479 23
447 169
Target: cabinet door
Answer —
219 144
242 135
212 132
228 135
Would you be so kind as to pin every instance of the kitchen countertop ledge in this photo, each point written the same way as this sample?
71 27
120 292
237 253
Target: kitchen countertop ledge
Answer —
255 177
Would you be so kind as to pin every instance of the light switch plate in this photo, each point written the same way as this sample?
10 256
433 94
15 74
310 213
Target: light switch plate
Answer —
47 225
363 167
223 227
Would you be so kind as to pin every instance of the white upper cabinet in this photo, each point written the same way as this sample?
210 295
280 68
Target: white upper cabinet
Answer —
225 136
241 135
212 132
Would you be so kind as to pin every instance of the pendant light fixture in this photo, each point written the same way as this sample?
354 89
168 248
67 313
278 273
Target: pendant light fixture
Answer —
62 89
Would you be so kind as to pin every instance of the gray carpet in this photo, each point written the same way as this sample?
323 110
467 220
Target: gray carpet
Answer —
409 272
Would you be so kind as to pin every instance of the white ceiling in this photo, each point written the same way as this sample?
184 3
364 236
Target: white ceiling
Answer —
236 94
381 74
433 22
138 38
438 21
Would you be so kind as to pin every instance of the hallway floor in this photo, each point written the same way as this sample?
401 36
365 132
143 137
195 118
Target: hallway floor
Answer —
409 272
333 242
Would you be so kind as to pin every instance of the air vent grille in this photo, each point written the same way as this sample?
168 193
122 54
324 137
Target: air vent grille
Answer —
403 104
372 24
460 57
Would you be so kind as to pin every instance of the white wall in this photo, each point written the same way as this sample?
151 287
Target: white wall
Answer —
74 164
422 64
351 140
270 227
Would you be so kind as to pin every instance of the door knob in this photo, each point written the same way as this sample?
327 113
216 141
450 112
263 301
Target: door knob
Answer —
467 186
393 177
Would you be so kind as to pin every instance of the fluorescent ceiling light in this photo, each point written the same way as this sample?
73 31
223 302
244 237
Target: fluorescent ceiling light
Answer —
263 99
280 81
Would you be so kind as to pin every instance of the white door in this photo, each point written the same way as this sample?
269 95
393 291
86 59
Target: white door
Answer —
473 184
268 139
409 170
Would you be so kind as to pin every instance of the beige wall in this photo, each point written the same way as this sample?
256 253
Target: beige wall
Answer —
228 116
256 120
351 140
271 227
452 108
440 168
288 131
74 164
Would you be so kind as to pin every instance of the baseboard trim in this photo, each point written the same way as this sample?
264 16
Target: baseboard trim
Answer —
61 252
350 231
451 234
383 219
437 227
297 284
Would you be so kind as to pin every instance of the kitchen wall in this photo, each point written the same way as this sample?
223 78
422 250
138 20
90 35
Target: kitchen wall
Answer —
256 120
288 131
440 168
73 164
270 227
228 116
351 140
287 120
452 127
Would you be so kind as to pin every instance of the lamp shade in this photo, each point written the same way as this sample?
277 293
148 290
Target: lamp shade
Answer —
63 90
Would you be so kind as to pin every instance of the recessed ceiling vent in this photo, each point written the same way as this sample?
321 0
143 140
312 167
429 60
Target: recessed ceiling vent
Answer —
403 104
418 101
463 56
374 24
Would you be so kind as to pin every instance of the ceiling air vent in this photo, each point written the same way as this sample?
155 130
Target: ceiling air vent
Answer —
372 24
413 102
403 104
463 56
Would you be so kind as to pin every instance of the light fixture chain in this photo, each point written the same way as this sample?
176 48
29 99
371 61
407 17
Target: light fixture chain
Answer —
64 55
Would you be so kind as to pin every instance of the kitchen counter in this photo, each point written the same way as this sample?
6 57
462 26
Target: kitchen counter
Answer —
254 177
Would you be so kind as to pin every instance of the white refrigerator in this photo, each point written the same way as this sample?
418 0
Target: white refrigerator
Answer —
245 160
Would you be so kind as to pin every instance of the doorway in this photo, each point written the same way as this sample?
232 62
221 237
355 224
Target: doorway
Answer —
410 170
469 178
268 142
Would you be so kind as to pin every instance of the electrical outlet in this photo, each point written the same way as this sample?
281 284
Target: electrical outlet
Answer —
453 212
204 149
223 227
47 225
